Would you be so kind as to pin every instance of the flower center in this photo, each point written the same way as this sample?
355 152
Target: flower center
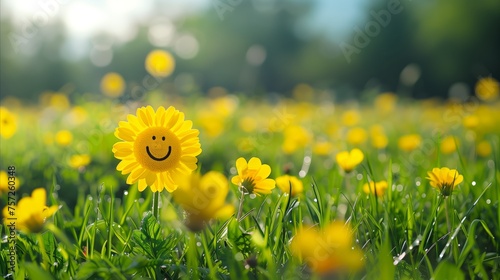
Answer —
157 149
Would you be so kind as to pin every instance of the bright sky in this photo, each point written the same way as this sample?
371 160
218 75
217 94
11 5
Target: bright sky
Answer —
334 19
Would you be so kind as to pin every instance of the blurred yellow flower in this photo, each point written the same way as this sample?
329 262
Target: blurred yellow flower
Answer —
295 137
79 161
4 182
376 188
157 147
470 121
322 148
350 118
448 145
224 106
386 102
64 137
247 124
112 85
212 124
487 89
30 212
356 136
330 250
444 179
160 63
252 176
349 160
285 181
203 198
378 138
58 101
8 123
483 148
409 142
77 115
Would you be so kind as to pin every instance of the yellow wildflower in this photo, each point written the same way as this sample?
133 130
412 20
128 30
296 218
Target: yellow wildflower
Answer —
350 118
64 137
30 212
329 250
252 176
203 198
160 63
356 136
448 145
444 179
376 188
483 148
285 181
409 142
487 89
112 85
79 161
8 124
349 160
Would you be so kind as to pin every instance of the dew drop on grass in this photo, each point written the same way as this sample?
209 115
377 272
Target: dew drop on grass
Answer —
488 201
90 198
315 200
125 193
417 183
198 244
359 177
424 195
473 183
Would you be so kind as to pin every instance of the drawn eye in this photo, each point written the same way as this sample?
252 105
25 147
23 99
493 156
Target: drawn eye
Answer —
163 138
154 137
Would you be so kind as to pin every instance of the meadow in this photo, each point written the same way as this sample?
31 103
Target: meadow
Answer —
303 187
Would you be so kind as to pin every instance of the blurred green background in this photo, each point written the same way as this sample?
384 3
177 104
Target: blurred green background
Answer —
415 48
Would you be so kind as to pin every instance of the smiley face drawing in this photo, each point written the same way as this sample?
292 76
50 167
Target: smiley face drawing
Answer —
157 148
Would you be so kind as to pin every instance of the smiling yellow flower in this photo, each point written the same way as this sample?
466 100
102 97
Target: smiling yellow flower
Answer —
157 147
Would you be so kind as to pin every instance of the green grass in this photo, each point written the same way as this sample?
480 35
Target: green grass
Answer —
105 229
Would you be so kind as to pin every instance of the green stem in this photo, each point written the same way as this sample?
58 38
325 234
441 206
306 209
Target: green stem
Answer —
156 205
240 207
45 257
447 215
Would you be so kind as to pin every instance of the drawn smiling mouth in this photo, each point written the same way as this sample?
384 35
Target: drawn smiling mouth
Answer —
159 159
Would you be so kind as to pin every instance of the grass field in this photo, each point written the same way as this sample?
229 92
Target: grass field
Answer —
332 226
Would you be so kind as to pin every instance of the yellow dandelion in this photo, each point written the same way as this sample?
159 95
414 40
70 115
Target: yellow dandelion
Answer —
112 85
378 137
386 102
327 251
322 148
64 137
248 124
409 142
487 89
284 182
356 136
203 198
349 160
252 176
471 121
350 118
448 145
157 147
8 124
444 179
376 188
79 161
30 212
160 63
296 137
